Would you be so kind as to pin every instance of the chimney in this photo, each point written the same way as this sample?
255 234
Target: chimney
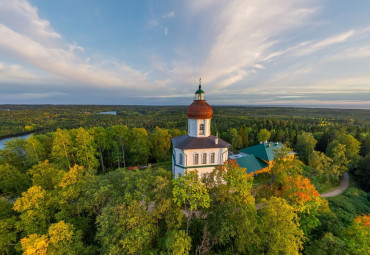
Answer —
216 138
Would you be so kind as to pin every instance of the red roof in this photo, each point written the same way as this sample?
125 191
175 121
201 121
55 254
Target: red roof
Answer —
199 109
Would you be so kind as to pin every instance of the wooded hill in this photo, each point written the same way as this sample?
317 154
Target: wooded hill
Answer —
68 191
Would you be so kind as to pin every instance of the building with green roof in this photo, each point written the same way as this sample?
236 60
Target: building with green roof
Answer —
264 151
251 163
257 158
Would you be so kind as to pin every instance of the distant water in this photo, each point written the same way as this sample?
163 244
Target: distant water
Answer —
2 141
111 113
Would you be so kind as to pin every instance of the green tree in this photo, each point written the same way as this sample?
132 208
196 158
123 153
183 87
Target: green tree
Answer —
279 228
365 145
160 140
190 192
305 145
66 198
243 133
327 245
8 232
284 165
177 242
101 141
120 136
13 154
352 145
263 135
12 181
235 138
62 149
337 152
64 239
139 146
35 151
232 216
46 175
363 173
357 235
125 229
323 166
352 149
176 132
85 149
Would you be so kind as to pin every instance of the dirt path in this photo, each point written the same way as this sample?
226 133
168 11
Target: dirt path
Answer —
339 190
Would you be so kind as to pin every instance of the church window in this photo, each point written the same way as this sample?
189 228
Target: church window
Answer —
201 129
212 157
180 159
204 158
196 159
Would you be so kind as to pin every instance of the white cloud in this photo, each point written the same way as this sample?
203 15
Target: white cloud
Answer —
259 66
351 53
25 96
64 62
15 73
165 31
169 15
326 42
21 16
28 38
247 32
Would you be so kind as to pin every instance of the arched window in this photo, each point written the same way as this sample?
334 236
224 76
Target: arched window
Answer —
180 159
204 158
196 159
201 129
212 157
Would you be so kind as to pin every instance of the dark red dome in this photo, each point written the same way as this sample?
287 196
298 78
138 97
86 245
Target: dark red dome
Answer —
199 109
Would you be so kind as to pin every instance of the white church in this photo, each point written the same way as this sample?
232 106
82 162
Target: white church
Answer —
198 149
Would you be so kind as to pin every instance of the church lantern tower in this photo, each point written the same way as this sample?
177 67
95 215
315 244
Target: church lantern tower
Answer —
199 116
198 149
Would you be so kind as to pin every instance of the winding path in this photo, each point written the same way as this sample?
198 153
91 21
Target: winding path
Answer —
340 189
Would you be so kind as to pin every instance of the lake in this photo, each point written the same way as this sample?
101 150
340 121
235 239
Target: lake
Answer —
111 113
2 141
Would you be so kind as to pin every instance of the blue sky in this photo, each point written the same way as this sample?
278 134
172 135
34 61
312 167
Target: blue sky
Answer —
267 52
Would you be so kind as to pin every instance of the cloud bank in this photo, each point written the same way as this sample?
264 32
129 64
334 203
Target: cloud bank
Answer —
280 52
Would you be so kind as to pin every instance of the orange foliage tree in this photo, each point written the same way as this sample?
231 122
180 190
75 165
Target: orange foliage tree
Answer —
357 236
303 196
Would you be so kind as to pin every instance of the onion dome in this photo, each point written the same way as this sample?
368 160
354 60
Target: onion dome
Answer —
199 109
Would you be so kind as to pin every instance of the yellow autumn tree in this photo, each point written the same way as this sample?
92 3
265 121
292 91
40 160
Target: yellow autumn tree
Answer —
61 239
35 244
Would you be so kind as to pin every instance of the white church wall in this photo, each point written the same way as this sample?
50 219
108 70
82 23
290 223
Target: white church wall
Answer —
194 127
221 155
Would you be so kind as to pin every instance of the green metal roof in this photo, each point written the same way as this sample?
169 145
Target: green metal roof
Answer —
199 91
265 151
251 163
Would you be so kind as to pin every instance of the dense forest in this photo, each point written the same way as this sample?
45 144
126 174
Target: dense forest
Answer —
89 183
